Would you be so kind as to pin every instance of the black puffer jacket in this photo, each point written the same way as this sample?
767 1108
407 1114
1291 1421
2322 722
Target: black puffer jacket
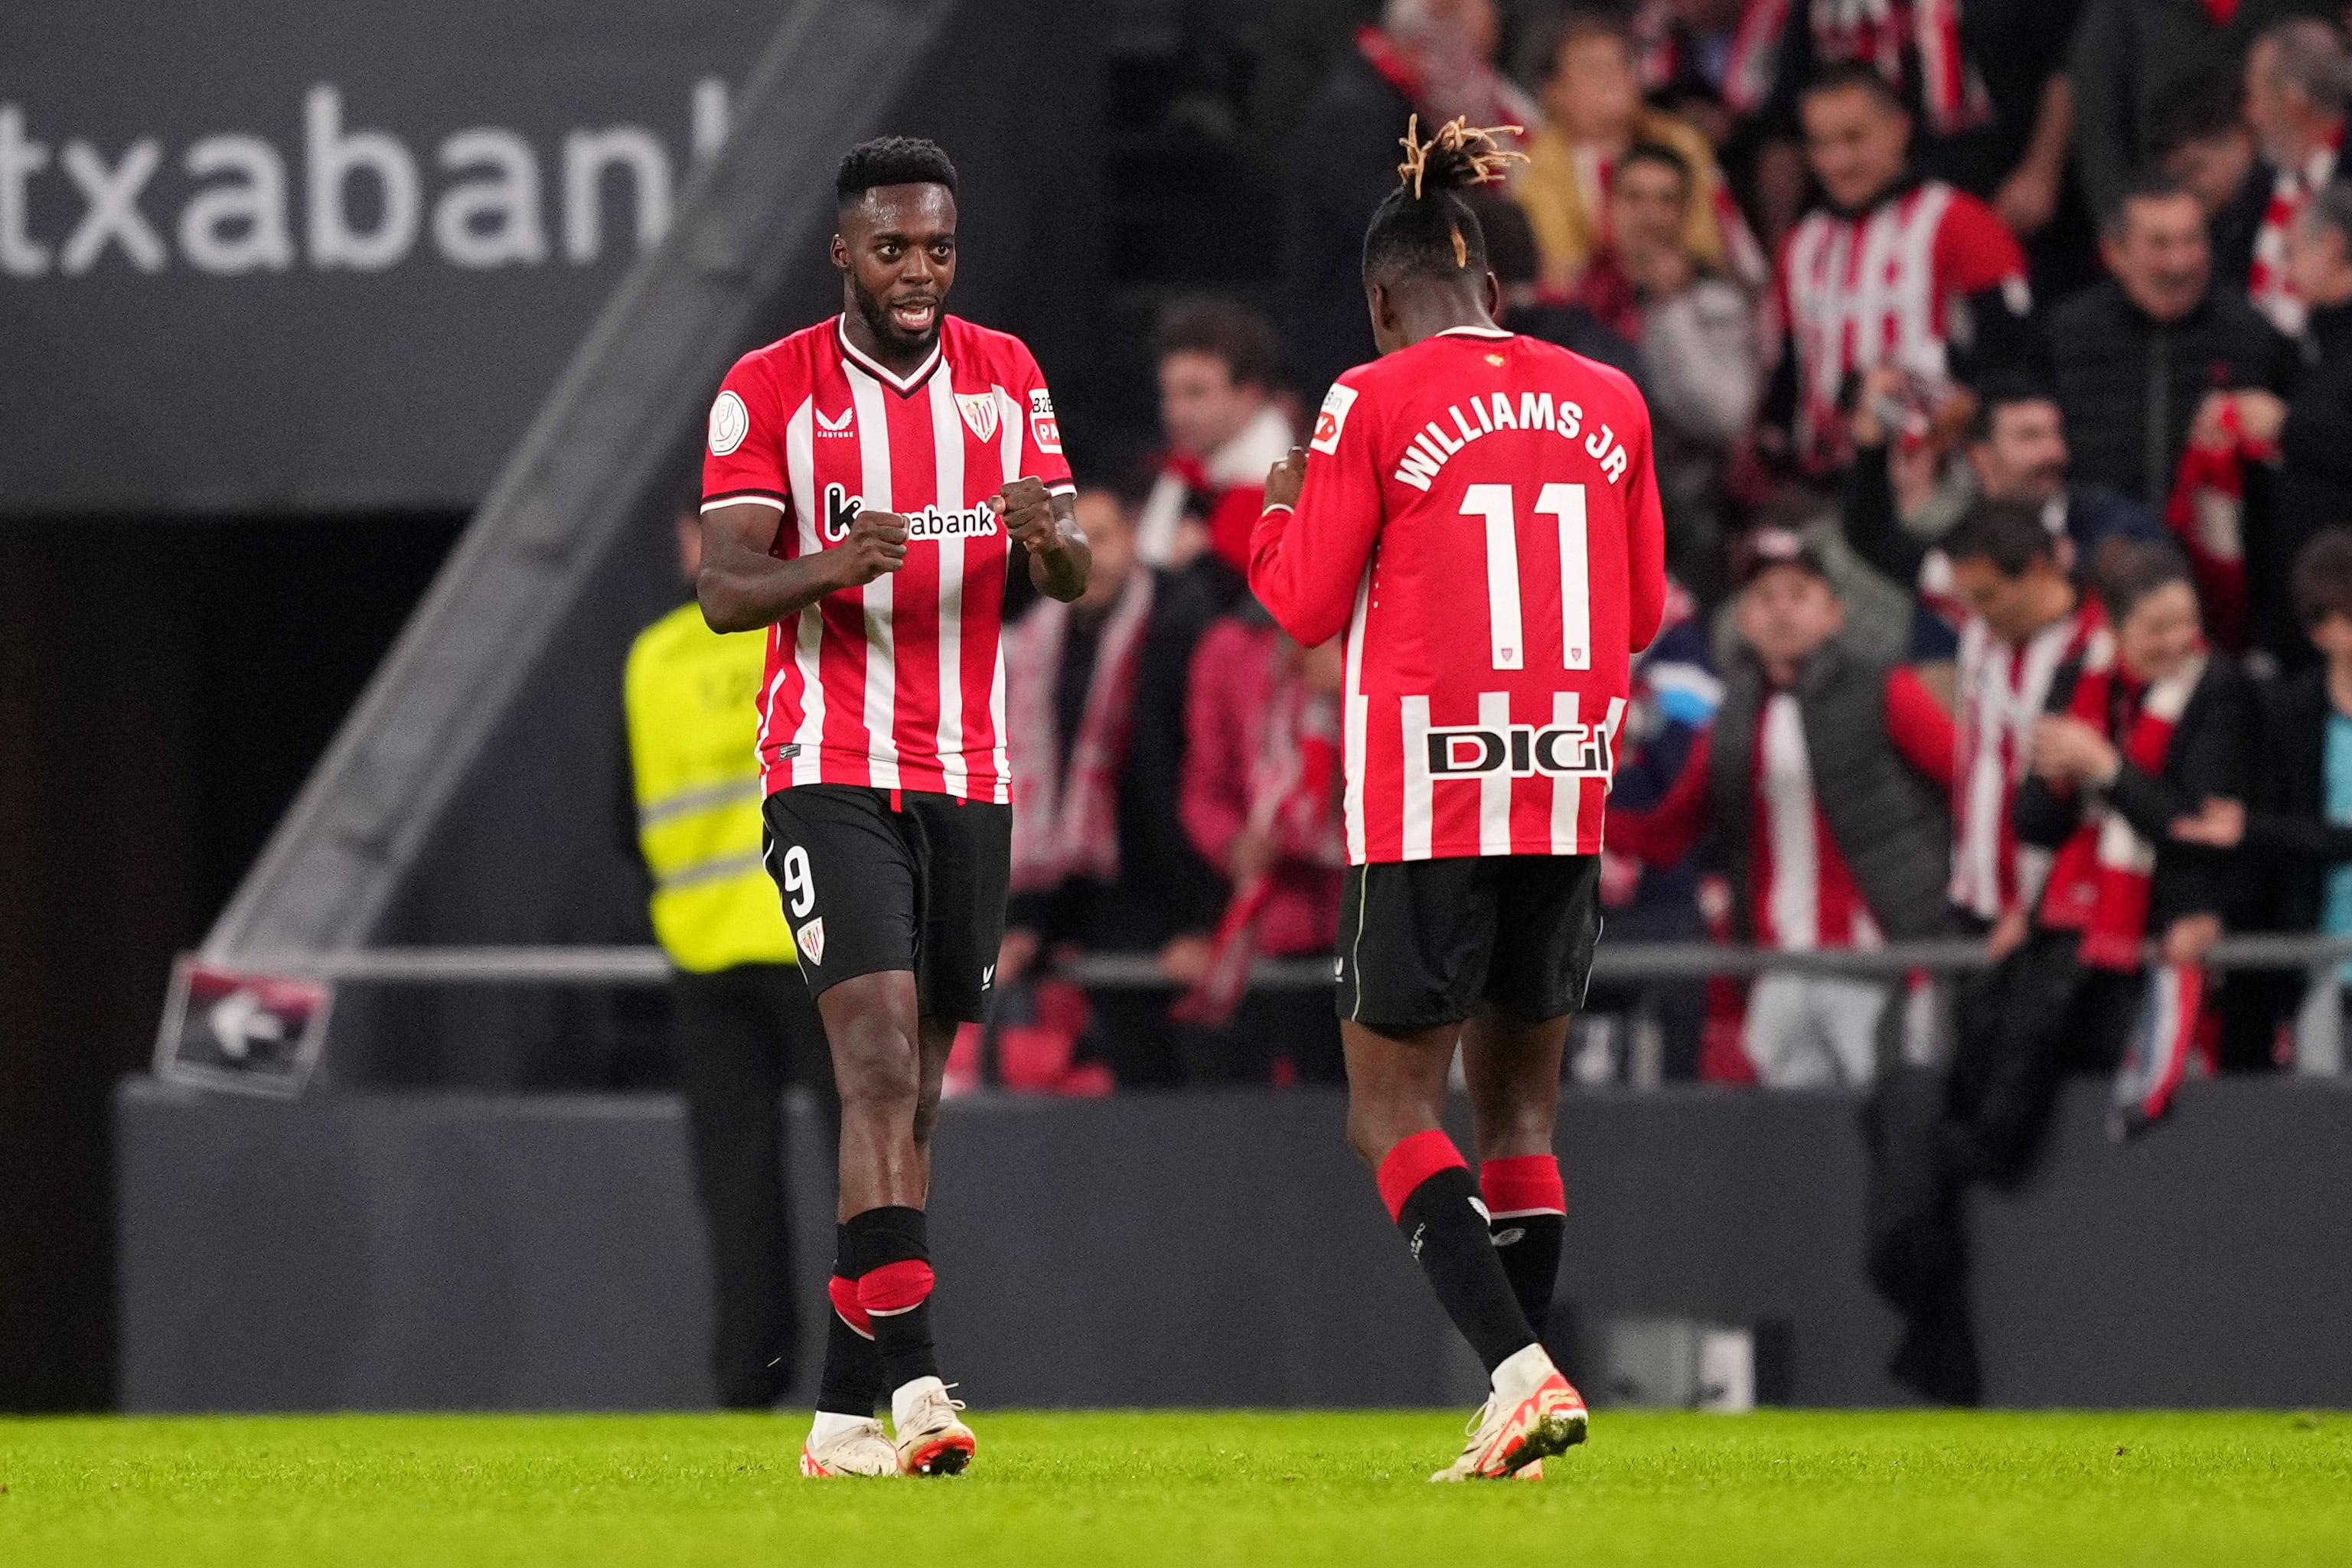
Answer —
2130 384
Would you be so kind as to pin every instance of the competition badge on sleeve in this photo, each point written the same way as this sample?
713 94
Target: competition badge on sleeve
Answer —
248 1034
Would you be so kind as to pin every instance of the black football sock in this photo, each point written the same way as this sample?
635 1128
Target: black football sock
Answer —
1429 1195
852 1381
1527 1210
888 1250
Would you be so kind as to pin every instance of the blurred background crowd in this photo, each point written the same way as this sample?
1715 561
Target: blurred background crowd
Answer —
1988 344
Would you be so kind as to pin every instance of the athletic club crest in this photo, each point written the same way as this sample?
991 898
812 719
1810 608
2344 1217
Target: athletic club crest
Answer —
810 940
980 412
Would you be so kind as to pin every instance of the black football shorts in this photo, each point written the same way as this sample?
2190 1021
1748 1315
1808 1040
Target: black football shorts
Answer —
868 889
1424 943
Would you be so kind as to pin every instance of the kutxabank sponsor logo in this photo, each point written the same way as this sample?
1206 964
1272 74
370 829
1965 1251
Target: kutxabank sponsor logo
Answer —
349 197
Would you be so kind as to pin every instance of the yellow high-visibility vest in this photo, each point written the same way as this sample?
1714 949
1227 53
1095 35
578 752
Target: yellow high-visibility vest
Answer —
693 698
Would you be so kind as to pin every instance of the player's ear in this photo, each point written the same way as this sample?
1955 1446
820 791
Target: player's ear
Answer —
840 253
1376 301
1494 295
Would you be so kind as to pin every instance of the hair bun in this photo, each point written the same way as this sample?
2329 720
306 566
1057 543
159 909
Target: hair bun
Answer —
1459 156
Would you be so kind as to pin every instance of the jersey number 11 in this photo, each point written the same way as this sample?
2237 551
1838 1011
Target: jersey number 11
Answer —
1565 502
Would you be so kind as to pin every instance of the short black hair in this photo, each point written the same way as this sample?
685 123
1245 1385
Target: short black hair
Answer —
1207 324
2211 103
1511 248
2010 534
2152 183
2000 389
1424 228
1848 76
1661 155
890 161
2322 576
2129 571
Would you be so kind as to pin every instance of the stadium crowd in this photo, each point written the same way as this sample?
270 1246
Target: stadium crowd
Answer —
2000 362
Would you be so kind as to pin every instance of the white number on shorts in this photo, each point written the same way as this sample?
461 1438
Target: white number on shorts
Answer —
1566 503
799 885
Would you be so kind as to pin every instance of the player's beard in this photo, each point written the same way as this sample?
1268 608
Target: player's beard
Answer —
885 330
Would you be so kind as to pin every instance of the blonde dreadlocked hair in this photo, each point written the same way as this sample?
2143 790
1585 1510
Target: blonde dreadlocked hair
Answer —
1423 226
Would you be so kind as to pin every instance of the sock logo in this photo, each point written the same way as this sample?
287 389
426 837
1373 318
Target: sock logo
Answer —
1413 1245
1483 1218
1505 1238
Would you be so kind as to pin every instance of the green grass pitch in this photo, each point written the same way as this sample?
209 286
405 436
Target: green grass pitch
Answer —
1146 1487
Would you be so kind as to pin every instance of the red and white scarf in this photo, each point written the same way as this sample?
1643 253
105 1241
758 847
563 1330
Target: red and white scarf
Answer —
1293 799
2271 291
1952 93
1065 823
2206 513
2002 690
1748 68
2100 883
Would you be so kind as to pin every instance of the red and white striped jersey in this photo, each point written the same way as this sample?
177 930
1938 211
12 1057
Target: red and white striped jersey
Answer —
1481 517
1858 292
1805 897
899 684
2271 290
2002 690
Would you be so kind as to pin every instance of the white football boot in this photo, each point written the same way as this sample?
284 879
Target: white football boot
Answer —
933 1438
860 1448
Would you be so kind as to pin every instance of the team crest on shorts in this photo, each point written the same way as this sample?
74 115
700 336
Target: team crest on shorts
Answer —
810 939
980 412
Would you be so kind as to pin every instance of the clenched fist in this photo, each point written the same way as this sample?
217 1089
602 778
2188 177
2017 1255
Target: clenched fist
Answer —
876 544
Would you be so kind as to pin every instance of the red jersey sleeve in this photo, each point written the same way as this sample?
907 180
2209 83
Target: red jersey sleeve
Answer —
1975 251
1305 566
743 453
1922 731
1041 451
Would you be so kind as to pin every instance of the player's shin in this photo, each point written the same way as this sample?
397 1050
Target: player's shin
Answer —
1426 1185
888 1250
1527 1207
851 1384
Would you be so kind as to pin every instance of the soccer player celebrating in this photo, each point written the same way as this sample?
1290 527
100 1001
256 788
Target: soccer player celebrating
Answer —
1476 511
867 477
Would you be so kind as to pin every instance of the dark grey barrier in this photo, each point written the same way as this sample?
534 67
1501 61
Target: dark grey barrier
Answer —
453 1251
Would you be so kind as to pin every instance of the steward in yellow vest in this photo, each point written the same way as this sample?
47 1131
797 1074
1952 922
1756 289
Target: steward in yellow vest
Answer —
742 1025
693 700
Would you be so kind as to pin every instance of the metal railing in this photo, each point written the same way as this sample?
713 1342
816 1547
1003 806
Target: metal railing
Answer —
1140 971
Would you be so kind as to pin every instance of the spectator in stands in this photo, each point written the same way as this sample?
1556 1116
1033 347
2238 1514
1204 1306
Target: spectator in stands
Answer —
2013 449
1813 868
2135 358
2295 824
2138 734
1261 800
1511 252
1711 62
2315 481
2298 83
1696 333
1432 58
1593 115
1952 299
2200 137
2131 56
1673 700
1984 80
1219 370
2025 621
1096 698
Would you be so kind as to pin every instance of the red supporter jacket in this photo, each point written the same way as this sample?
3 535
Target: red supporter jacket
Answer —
1231 683
1480 519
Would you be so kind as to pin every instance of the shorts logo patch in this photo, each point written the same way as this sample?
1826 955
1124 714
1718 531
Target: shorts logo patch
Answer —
987 977
980 412
731 421
810 939
1333 419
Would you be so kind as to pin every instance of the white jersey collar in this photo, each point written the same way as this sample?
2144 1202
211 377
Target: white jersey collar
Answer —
903 385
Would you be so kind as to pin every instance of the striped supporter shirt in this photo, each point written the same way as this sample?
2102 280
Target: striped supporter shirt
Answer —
898 685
